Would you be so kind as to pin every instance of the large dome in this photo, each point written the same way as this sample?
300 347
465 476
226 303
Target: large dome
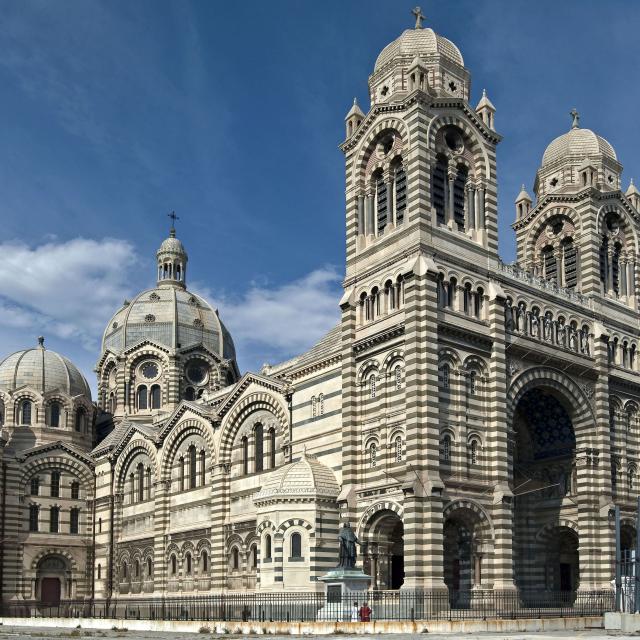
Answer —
169 316
42 370
419 42
577 144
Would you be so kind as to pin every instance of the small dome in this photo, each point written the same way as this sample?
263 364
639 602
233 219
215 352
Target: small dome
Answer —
170 316
419 42
577 144
42 370
306 477
172 245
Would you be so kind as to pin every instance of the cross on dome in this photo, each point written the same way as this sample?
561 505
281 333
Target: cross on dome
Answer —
417 12
174 217
575 124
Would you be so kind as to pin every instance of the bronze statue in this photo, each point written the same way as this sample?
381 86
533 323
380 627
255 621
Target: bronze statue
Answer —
348 551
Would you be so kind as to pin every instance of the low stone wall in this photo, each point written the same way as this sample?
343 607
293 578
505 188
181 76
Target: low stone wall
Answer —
626 622
319 628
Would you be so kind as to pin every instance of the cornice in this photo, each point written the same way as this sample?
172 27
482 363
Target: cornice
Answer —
58 445
378 338
270 383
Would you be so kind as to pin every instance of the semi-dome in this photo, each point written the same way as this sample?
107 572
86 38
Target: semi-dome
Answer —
169 316
42 370
306 477
419 42
577 144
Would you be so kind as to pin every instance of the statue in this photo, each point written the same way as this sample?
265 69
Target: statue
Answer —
348 552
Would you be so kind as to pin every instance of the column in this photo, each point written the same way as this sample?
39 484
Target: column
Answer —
471 206
219 507
480 206
391 210
451 177
559 255
610 271
370 211
631 277
623 277
361 229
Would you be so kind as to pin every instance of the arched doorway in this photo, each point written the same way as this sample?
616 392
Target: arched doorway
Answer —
52 580
384 550
467 542
544 479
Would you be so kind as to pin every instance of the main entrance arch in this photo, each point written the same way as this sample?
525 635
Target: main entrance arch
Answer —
52 579
382 536
544 481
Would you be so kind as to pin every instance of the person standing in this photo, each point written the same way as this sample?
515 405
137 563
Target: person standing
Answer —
365 613
355 612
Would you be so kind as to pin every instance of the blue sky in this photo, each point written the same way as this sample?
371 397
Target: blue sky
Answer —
114 113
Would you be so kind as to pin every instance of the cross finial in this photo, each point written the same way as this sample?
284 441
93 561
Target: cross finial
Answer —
576 118
173 217
417 12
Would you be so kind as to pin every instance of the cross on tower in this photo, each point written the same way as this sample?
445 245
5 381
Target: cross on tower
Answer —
417 12
173 217
576 118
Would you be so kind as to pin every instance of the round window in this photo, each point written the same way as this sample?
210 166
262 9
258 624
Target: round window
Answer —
150 370
454 140
197 373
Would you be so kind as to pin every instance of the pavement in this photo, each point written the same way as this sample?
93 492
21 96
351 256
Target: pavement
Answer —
43 633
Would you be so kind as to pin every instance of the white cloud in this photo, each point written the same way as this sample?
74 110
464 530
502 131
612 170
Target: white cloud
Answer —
273 323
64 288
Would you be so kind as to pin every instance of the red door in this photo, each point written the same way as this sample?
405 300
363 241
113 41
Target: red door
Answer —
50 592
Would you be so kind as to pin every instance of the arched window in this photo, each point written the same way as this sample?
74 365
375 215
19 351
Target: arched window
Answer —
54 414
34 512
74 520
314 407
458 197
182 477
451 293
235 559
267 547
75 490
472 383
272 448
140 474
253 557
54 520
203 472
479 303
112 403
382 204
149 568
296 545
258 433
398 443
25 412
446 372
570 263
372 385
473 452
373 454
174 565
549 264
446 447
192 467
245 455
204 562
136 569
189 393
156 397
631 476
80 420
125 570
321 404
141 396
132 488
99 572
55 484
148 484
35 486
188 562
398 377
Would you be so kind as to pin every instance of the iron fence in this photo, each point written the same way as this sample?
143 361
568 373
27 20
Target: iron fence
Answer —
307 607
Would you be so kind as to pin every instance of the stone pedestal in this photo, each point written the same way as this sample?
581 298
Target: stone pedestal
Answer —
343 588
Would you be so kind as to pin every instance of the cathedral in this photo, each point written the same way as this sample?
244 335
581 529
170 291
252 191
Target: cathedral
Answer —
474 421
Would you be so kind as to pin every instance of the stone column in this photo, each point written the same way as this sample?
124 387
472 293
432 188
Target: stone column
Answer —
623 277
361 228
559 255
451 179
471 206
480 207
391 210
219 508
631 276
370 215
610 271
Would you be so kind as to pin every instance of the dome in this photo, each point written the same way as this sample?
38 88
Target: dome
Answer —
419 42
577 144
306 477
169 316
172 245
42 370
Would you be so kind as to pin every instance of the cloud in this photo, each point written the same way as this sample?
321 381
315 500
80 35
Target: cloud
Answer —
272 323
67 289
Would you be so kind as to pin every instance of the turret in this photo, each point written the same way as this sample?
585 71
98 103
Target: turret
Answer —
633 195
523 204
172 259
486 110
354 118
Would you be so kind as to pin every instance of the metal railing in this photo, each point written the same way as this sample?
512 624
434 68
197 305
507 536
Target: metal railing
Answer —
296 607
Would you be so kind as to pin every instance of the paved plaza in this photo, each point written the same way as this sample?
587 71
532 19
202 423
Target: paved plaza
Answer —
33 633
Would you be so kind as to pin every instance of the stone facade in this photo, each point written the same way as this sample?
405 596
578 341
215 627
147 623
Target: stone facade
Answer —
475 421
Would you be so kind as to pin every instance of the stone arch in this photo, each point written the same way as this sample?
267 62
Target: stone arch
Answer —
545 533
480 156
629 228
367 142
392 359
366 368
129 452
68 464
54 551
386 505
538 227
473 507
259 401
295 522
180 432
265 524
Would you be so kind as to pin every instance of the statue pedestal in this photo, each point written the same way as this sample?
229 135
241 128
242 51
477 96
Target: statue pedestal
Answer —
343 588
